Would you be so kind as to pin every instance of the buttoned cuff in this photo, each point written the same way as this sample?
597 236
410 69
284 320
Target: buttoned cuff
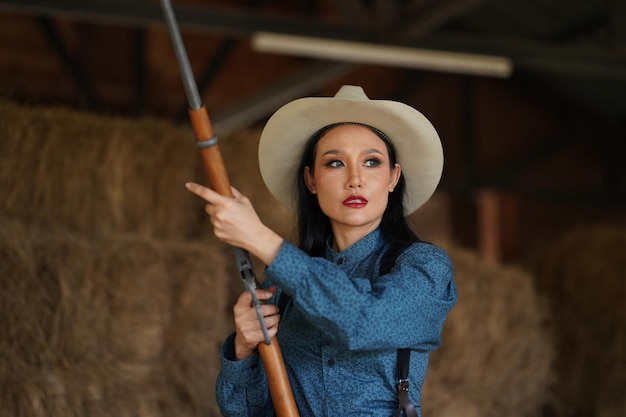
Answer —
243 372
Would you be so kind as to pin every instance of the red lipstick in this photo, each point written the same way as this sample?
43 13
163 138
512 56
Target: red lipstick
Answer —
355 201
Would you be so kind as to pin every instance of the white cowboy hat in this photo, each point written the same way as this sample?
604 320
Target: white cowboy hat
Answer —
417 144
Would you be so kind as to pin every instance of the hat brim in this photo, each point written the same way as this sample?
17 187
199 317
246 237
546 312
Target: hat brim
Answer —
418 147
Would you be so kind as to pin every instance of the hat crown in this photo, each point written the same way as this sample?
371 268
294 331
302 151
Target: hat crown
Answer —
351 92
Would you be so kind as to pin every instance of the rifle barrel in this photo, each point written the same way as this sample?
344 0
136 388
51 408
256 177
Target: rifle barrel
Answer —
271 356
193 97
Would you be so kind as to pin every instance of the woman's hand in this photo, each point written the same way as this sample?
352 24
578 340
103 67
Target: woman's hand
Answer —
248 333
236 222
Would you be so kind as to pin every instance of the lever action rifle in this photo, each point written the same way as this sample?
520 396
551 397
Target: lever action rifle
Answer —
280 390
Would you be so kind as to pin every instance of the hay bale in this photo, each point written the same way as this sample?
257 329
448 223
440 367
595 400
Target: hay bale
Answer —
97 175
87 313
67 170
109 327
496 354
583 274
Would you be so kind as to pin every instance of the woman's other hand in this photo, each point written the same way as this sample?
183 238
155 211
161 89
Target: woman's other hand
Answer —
248 333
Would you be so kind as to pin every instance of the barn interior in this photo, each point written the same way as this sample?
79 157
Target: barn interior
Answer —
104 256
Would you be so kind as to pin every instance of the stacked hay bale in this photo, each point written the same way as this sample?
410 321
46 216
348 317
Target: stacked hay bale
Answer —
102 176
108 326
114 297
62 170
496 355
584 275
96 176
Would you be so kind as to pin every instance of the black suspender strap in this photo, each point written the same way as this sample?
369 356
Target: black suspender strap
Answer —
404 355
283 300
403 384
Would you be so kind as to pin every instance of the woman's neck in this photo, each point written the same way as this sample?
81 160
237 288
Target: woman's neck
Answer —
344 237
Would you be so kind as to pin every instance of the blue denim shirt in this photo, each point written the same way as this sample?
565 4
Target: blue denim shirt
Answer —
340 333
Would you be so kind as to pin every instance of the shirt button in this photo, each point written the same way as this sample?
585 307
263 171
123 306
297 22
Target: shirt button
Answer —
340 261
331 362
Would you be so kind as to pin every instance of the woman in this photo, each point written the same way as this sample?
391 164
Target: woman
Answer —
345 321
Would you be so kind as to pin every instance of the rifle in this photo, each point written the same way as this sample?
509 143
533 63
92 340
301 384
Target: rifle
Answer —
280 390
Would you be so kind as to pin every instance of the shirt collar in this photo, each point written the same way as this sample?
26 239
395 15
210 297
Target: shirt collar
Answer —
365 248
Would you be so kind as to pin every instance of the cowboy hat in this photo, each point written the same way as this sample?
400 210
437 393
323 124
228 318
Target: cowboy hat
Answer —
284 137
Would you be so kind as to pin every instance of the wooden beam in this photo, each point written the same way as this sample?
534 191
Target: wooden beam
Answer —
354 11
426 18
71 65
576 59
221 21
538 56
489 226
617 16
139 71
257 107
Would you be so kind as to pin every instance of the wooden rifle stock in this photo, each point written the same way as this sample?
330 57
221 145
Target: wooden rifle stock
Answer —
272 358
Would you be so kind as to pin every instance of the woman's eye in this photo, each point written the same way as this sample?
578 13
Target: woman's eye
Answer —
374 162
334 163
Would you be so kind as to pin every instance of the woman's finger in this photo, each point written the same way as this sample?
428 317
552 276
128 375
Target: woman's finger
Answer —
235 192
203 192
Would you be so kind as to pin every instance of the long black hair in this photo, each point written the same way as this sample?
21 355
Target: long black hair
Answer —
314 226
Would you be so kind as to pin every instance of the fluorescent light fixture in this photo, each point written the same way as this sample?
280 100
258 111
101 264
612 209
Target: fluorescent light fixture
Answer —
394 56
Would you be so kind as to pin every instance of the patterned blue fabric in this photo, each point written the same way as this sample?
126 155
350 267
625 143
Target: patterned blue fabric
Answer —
340 333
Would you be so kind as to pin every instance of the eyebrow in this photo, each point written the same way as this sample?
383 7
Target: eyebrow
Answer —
337 152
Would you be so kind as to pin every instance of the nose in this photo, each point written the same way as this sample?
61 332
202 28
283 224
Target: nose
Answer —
355 179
